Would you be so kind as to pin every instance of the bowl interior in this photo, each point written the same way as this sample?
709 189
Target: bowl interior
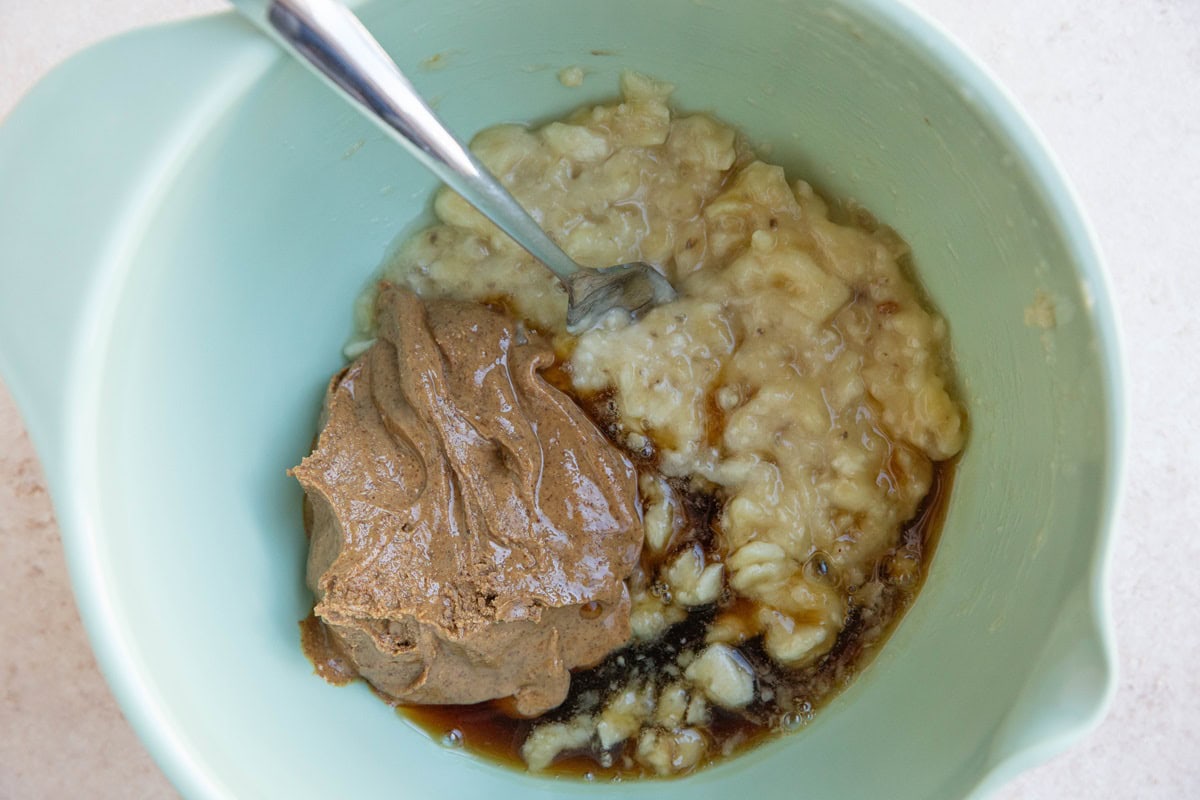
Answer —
235 299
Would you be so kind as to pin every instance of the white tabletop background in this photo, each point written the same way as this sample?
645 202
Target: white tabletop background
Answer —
1115 87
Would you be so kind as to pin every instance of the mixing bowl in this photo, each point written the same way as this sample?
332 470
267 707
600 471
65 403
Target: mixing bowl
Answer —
187 217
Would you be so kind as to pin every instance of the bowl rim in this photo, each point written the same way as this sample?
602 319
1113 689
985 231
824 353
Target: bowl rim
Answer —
148 714
1064 205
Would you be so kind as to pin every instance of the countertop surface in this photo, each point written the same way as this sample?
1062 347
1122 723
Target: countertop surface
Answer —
1115 88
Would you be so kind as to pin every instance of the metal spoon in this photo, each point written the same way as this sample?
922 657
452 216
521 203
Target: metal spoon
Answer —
329 38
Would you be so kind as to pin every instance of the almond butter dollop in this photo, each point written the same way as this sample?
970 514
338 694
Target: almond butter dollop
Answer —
471 528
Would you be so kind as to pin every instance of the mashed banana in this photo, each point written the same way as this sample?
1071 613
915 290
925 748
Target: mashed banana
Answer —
798 379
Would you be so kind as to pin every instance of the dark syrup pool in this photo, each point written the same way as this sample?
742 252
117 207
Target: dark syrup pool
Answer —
786 698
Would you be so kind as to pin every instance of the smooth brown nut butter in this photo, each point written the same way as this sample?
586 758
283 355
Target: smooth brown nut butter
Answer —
471 529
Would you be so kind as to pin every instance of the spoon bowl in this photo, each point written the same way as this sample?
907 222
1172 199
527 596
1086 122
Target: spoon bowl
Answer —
593 294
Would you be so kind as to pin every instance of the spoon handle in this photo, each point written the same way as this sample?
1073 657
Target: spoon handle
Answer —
327 36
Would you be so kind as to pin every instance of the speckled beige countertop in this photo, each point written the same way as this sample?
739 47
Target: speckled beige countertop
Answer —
1114 85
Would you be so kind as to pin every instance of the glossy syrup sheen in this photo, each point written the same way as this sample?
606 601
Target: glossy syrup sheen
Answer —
487 729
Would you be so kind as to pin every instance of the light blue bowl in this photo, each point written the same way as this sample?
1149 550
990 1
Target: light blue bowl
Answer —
186 218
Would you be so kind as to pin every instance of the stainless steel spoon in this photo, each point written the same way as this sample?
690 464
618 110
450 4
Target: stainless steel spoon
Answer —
329 38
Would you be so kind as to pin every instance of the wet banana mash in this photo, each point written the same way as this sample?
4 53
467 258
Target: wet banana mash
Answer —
791 416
